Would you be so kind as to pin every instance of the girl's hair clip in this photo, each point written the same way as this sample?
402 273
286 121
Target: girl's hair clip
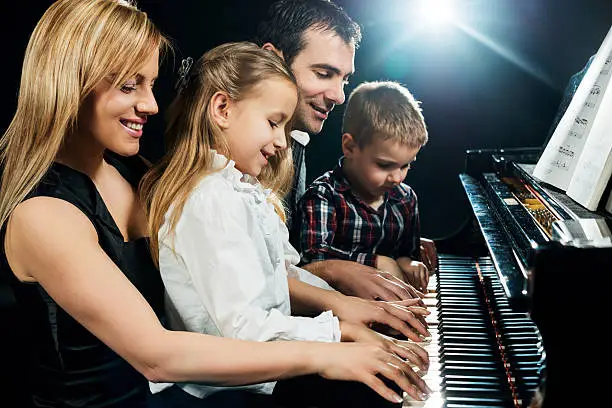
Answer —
183 74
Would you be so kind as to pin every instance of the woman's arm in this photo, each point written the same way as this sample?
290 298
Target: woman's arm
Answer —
49 241
52 242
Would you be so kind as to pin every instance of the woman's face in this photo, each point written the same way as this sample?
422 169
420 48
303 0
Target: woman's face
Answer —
113 118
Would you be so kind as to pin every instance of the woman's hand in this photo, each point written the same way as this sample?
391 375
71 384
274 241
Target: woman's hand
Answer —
365 362
406 316
409 351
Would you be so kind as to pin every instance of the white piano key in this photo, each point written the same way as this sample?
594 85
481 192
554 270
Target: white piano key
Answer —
433 378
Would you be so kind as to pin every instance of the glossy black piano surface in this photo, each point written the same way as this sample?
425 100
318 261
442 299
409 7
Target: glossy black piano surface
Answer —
513 302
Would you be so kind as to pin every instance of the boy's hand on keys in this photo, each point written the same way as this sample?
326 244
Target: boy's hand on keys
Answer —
429 254
417 274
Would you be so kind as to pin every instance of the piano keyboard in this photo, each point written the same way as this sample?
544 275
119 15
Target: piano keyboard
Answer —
481 352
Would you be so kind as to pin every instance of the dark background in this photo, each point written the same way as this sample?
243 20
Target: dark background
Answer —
497 83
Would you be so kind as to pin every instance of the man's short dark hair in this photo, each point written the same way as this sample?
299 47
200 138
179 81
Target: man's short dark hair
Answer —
288 20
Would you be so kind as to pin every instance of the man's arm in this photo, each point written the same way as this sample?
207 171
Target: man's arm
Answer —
354 279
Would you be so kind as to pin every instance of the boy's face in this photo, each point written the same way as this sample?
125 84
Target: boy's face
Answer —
377 167
322 70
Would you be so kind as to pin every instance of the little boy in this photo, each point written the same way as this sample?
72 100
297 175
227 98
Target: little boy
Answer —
362 211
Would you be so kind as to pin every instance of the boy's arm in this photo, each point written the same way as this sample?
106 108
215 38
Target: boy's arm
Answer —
410 243
389 265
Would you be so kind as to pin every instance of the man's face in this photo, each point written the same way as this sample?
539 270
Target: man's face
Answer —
322 70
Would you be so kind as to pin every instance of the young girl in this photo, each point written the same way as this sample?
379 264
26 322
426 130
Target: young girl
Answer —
215 201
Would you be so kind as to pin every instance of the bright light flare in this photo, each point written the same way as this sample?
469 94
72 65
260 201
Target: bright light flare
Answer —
437 13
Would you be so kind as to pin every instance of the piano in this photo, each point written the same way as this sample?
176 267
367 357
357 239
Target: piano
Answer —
515 321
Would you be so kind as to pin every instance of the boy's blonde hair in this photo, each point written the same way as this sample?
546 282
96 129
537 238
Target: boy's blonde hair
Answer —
75 45
191 132
387 110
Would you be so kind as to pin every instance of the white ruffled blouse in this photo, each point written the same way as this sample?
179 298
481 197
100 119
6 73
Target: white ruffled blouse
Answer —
225 269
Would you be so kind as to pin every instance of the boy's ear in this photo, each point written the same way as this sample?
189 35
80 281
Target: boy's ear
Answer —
348 145
220 105
271 47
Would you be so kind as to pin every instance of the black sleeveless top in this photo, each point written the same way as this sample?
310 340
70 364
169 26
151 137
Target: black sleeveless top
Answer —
66 365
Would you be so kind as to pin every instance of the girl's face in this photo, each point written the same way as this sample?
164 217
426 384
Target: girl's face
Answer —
256 125
113 118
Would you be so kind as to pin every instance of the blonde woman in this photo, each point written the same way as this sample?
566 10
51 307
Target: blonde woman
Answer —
73 247
224 254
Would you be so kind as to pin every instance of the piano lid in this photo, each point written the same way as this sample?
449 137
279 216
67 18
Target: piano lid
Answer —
583 233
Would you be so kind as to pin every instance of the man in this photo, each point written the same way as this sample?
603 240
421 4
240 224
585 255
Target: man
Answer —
318 40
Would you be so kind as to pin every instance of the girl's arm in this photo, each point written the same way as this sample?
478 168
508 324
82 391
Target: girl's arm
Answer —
223 265
403 316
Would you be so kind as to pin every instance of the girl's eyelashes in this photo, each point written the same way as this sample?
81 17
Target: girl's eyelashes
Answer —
128 87
273 124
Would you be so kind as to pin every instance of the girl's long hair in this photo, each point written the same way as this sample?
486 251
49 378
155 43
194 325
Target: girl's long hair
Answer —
74 46
191 132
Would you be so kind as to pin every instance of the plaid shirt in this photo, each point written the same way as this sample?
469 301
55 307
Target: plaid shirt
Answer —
336 224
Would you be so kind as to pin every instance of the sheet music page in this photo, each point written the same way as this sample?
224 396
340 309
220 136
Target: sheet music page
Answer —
609 204
558 161
594 166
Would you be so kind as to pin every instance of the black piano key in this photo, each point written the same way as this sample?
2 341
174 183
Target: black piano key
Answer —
463 320
497 378
465 402
471 357
467 348
477 392
487 341
469 383
468 370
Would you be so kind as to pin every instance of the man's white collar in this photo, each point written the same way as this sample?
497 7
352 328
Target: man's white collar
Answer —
301 137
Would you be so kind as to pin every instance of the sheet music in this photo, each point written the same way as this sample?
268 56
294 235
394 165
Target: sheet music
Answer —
557 164
594 166
609 204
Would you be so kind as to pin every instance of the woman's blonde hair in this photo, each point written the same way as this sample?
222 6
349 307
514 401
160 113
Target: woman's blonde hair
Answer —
74 46
191 132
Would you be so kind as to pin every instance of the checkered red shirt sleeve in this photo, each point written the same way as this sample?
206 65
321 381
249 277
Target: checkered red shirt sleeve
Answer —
319 227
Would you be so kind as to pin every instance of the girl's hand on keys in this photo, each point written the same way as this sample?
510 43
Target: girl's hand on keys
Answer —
407 350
